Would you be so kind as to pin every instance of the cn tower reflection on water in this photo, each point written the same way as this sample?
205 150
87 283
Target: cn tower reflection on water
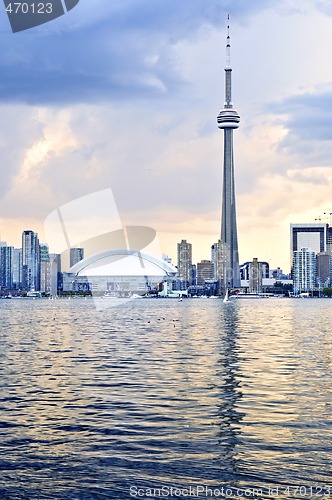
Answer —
229 384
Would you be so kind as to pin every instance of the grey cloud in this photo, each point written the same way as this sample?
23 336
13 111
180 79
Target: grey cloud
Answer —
324 6
99 52
308 120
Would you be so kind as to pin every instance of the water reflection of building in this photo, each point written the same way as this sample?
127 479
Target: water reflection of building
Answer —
229 384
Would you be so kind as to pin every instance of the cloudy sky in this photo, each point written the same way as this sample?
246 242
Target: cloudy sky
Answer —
124 94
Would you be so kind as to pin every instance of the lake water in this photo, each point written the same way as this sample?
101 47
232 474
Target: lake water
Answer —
166 399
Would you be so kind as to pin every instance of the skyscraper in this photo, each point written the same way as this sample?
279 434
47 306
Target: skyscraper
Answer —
313 236
6 267
17 268
56 275
304 270
76 254
255 276
45 269
228 119
184 264
30 261
217 257
323 269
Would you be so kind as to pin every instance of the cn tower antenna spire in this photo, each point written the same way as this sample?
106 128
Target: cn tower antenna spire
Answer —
228 46
228 70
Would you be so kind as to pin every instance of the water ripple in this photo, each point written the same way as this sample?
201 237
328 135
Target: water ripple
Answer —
163 393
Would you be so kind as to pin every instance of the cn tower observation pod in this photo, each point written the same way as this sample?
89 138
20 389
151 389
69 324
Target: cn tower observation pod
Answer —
228 118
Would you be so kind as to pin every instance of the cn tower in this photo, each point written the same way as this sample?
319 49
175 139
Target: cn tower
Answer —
228 119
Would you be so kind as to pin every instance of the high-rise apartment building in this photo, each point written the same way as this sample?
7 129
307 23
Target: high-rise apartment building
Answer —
6 267
304 270
55 273
45 269
17 268
228 120
324 262
218 260
255 269
2 244
184 276
30 261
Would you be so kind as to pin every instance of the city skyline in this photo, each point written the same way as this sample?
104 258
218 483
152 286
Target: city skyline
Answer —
33 268
136 112
183 251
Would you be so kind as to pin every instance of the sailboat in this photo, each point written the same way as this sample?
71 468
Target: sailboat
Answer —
226 299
